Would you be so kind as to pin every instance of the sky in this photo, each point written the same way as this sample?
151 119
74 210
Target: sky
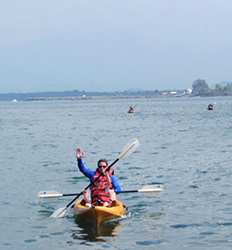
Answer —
110 45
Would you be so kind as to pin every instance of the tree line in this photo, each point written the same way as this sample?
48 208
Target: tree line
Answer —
201 88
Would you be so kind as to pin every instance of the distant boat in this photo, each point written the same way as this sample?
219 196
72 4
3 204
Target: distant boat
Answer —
14 100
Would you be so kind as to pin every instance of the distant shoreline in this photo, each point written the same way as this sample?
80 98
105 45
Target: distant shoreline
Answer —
74 95
83 95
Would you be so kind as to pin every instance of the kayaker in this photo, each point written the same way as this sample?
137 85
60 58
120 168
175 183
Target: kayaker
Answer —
131 109
104 189
210 106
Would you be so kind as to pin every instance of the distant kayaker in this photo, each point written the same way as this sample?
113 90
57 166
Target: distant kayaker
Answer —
104 189
131 110
210 106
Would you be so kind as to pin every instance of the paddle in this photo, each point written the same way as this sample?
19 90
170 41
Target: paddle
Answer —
55 194
128 149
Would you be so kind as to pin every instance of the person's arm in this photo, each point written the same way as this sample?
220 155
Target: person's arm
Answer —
84 169
115 184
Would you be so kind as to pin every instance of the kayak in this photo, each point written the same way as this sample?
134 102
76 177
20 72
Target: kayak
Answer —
97 215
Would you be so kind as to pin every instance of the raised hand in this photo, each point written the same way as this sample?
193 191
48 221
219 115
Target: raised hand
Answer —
79 153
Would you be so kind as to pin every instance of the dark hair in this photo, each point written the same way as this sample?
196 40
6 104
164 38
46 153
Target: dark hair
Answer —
102 160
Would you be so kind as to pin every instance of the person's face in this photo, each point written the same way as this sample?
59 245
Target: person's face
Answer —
102 166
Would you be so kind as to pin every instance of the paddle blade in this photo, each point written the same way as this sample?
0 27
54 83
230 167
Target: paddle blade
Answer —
49 194
59 213
151 189
129 148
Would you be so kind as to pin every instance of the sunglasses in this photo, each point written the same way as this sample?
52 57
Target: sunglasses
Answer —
102 166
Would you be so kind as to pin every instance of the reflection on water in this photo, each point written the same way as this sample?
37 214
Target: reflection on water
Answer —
90 232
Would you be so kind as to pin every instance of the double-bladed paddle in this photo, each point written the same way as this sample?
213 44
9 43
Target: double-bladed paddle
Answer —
127 149
55 194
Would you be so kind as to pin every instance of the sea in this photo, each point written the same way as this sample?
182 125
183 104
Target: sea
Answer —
183 146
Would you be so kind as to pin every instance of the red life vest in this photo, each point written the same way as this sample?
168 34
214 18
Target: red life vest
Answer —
100 189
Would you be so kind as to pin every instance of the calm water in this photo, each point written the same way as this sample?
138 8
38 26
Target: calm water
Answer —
183 146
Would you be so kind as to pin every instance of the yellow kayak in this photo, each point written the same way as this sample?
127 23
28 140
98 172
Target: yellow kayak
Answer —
99 214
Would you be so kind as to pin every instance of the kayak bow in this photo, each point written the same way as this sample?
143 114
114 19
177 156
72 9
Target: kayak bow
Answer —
97 215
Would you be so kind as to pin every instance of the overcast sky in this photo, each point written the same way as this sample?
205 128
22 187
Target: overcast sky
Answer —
113 44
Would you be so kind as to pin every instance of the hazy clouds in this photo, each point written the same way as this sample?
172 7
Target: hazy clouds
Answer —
113 45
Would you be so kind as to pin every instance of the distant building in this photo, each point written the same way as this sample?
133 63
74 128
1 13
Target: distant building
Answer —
188 91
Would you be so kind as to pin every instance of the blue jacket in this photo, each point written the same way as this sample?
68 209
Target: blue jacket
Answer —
90 174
